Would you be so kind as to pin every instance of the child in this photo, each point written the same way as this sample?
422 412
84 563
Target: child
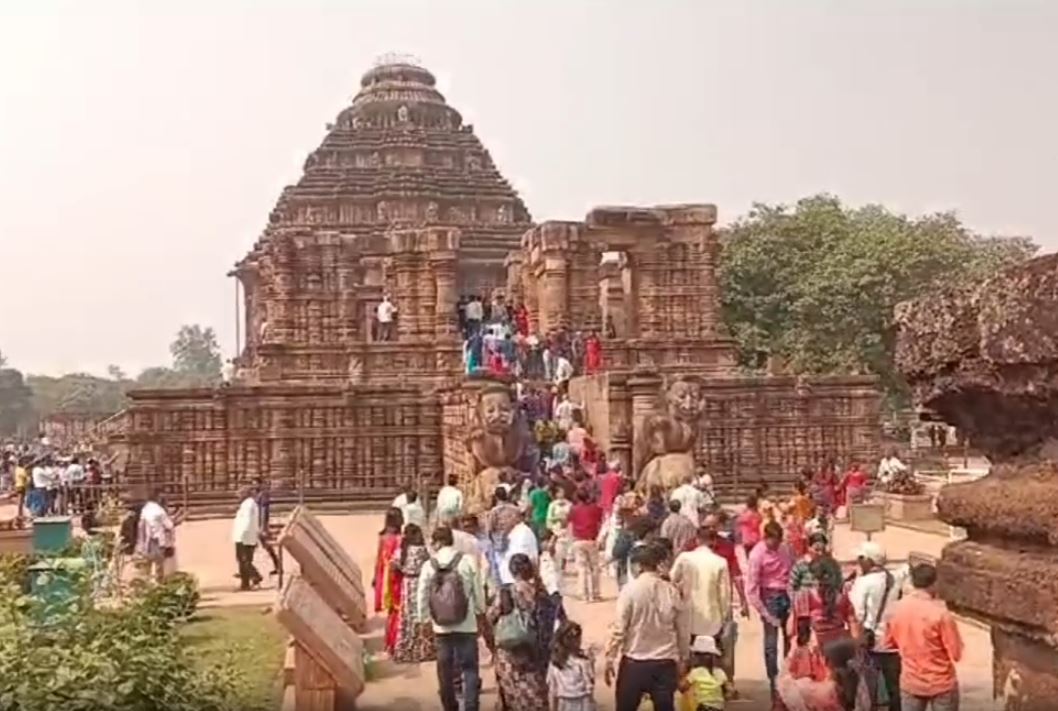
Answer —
571 674
706 687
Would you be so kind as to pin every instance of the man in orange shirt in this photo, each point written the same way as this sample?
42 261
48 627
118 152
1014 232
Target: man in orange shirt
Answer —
926 635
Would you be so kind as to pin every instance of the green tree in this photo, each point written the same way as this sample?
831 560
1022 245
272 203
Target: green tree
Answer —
196 355
114 372
158 377
3 360
16 402
816 284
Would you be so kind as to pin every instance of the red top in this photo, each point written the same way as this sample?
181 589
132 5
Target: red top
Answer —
749 523
608 488
726 550
585 521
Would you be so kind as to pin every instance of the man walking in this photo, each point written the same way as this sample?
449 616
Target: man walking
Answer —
873 596
704 582
246 532
451 589
767 580
678 528
927 638
585 522
649 642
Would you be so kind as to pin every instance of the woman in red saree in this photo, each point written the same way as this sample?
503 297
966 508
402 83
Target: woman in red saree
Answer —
386 582
521 319
593 354
853 485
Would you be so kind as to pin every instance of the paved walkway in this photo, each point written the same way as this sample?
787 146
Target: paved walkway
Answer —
203 549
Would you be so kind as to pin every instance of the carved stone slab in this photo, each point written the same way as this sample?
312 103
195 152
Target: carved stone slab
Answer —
319 631
326 566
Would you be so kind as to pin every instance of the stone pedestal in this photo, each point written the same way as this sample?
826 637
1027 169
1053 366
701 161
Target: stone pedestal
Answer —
908 507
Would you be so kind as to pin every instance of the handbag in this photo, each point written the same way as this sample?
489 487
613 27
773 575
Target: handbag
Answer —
515 630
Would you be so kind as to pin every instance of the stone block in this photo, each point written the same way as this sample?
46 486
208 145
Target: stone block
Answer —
326 566
908 507
335 651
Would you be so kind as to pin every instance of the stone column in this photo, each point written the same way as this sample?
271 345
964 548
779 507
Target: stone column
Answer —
645 389
553 292
404 296
443 266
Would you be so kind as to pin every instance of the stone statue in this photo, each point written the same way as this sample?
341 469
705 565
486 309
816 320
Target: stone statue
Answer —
382 211
502 214
432 211
473 162
495 442
357 122
664 444
356 369
402 114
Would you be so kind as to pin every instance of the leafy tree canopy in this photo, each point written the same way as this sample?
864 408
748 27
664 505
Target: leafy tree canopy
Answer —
816 283
16 402
196 355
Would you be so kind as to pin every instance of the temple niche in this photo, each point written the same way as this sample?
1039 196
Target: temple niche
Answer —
985 359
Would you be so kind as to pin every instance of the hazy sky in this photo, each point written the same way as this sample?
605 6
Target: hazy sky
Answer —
142 145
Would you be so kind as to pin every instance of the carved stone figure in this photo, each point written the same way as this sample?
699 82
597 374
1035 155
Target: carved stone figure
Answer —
495 442
382 211
357 122
402 114
356 369
664 448
432 211
473 162
502 215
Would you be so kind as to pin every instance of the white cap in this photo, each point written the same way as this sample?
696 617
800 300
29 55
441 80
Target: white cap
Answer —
704 644
871 551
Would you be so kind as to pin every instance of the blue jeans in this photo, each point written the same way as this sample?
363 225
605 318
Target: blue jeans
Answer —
776 602
457 655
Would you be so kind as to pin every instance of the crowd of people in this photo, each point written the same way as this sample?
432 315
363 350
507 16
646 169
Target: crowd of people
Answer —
50 481
686 571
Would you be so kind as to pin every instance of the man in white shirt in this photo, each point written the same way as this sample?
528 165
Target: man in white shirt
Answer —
873 596
690 497
563 369
521 539
413 511
449 502
245 534
475 312
704 581
74 481
564 413
385 313
401 500
890 466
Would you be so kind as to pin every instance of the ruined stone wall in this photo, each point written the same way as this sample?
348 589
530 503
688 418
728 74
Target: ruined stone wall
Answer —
320 442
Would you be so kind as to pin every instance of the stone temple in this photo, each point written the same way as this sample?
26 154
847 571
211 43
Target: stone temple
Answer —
402 198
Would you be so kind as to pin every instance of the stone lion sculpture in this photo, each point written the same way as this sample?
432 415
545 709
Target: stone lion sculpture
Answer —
664 443
496 442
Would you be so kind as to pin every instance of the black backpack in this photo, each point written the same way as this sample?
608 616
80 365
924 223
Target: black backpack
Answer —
448 596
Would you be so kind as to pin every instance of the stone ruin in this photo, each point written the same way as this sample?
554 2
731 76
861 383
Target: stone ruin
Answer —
986 360
402 198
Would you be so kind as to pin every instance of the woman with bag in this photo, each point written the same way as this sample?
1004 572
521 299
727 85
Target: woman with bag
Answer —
523 619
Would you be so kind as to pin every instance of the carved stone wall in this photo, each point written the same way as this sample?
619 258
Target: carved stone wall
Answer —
985 359
662 293
314 442
751 430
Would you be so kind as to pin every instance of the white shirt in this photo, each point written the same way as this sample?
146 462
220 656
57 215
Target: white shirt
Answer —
75 473
705 583
890 467
400 502
156 523
449 502
866 597
385 312
691 500
474 310
521 539
41 478
564 414
414 513
563 369
246 528
549 573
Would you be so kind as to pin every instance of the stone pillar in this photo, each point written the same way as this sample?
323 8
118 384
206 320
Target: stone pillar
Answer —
444 248
404 296
553 292
645 389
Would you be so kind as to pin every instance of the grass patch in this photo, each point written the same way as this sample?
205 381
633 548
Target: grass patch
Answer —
252 641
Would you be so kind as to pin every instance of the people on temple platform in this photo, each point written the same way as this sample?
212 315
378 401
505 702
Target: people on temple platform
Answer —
384 580
475 313
385 314
415 640
890 467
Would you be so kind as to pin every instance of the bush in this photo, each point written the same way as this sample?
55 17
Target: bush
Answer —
86 657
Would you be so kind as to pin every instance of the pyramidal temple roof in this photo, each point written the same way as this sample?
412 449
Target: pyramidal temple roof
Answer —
399 155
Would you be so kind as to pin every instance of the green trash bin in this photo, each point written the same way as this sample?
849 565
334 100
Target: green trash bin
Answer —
52 534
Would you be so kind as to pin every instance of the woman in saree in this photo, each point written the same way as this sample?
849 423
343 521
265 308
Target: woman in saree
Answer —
415 640
386 581
521 673
841 686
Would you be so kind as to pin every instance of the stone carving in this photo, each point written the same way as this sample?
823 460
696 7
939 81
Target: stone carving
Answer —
473 162
357 122
356 369
432 211
502 215
665 443
382 213
496 442
985 360
402 114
